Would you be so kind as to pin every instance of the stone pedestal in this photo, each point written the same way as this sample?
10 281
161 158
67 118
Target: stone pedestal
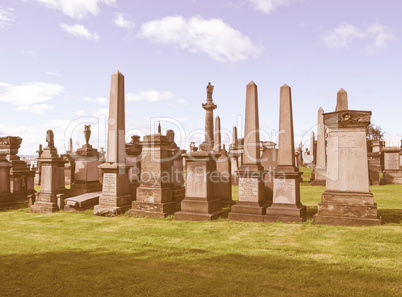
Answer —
49 199
392 169
154 195
7 200
69 169
224 184
286 205
269 162
200 202
347 199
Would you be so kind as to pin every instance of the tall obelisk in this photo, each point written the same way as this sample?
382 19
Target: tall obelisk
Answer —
321 156
252 203
286 206
116 197
209 107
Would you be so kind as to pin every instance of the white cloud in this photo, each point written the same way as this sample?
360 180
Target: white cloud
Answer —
29 93
81 113
6 17
149 96
212 37
267 6
76 8
36 108
52 73
183 102
30 53
79 31
98 100
121 22
377 36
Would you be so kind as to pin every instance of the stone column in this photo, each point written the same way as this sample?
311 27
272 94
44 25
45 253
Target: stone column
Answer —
209 107
49 199
154 195
347 199
286 206
224 186
201 202
234 137
7 200
116 197
252 202
320 168
217 135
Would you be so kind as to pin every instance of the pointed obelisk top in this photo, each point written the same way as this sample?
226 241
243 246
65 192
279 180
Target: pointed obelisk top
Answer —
341 100
251 83
159 128
286 147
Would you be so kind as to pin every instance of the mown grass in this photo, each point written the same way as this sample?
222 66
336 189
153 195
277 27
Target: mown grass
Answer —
79 254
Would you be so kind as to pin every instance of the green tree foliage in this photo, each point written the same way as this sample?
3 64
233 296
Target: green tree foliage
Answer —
374 132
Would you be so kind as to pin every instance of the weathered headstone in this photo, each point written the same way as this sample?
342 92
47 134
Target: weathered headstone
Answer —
49 199
347 199
201 202
209 107
154 195
224 186
286 206
252 203
320 164
86 174
392 172
116 197
7 200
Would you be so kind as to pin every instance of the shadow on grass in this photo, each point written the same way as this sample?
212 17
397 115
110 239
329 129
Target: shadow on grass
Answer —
390 216
177 272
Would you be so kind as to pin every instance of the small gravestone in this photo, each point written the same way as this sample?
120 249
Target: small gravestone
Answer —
49 199
201 202
392 171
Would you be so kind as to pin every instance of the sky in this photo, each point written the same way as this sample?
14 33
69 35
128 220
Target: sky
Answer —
57 58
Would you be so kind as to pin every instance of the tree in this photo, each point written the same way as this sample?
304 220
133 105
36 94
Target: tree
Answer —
374 132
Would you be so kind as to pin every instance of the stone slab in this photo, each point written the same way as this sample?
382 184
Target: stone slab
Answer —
196 216
81 202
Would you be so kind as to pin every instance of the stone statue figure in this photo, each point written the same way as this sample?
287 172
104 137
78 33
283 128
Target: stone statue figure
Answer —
50 138
210 89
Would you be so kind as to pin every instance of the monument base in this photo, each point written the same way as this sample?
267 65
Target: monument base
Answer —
110 206
391 177
44 207
47 203
152 210
286 213
196 209
248 212
347 208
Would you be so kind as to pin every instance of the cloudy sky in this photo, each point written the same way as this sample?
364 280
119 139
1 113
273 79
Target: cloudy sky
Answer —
57 57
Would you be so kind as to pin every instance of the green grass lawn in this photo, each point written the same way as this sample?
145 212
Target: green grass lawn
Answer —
79 254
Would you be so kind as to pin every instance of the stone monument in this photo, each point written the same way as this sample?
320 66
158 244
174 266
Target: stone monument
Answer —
347 199
116 197
269 162
49 199
224 185
201 202
217 135
133 160
7 200
320 161
252 203
391 166
209 107
286 206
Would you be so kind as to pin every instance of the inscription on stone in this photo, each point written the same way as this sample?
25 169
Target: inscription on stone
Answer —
285 190
391 161
248 189
109 184
196 180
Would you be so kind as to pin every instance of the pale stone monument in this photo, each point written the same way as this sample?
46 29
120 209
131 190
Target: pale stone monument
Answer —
269 162
392 171
116 197
49 199
7 200
201 202
320 164
286 206
224 186
154 195
86 174
133 160
347 199
217 135
209 107
252 203
234 155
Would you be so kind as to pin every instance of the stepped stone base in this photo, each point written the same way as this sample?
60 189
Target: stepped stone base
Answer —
153 210
347 208
286 213
194 209
110 206
248 212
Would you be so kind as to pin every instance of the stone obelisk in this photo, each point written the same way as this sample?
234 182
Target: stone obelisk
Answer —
209 107
252 204
341 100
286 206
347 199
320 164
217 135
116 197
